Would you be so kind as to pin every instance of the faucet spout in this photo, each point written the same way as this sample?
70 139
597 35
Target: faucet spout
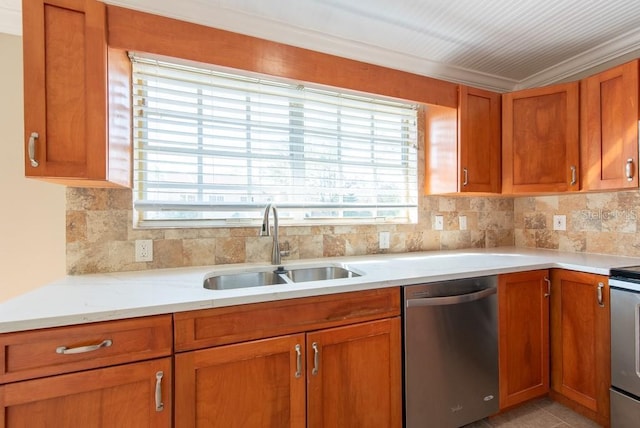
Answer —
265 231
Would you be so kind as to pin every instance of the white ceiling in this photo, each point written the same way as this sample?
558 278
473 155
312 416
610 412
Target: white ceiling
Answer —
496 44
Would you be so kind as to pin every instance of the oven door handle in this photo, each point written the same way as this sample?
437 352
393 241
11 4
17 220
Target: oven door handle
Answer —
451 300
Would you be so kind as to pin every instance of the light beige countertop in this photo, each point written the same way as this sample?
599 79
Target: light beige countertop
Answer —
89 298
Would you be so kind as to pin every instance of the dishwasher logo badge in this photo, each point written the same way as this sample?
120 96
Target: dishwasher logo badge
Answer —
456 409
488 398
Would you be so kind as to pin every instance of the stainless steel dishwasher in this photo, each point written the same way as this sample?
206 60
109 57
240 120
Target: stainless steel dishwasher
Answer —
450 352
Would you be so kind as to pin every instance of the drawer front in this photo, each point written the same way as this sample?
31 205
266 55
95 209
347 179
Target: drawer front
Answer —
37 353
213 327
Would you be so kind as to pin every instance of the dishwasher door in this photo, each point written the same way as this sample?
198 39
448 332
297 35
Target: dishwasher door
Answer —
450 352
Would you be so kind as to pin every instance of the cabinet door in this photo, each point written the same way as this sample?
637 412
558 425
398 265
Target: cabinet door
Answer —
130 395
252 384
523 320
479 125
540 139
580 339
354 376
609 129
66 91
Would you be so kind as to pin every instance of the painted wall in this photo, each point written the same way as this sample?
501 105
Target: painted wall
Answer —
32 217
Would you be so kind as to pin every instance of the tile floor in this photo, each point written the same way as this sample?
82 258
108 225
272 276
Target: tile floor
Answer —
541 413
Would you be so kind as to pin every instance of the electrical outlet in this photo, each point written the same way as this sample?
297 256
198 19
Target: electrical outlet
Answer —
144 250
438 223
463 222
383 239
559 222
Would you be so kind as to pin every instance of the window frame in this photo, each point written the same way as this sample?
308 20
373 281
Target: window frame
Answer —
411 217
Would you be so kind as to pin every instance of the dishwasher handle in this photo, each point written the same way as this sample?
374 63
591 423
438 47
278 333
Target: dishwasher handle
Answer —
451 300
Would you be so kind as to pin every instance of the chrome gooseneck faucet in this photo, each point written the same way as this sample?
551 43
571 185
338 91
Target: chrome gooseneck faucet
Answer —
265 231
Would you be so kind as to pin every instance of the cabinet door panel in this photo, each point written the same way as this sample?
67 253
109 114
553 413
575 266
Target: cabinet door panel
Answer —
609 128
66 87
479 122
580 338
111 397
251 384
67 82
523 313
540 151
358 378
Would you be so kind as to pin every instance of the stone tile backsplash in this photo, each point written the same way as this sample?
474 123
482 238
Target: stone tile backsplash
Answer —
100 236
604 223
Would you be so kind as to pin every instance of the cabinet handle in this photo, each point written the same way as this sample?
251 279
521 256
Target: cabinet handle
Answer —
465 175
574 176
159 403
316 357
32 149
600 294
628 169
548 281
298 362
82 349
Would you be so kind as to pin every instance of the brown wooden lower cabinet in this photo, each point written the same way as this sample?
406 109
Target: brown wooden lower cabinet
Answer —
354 377
523 323
580 341
111 397
327 361
339 377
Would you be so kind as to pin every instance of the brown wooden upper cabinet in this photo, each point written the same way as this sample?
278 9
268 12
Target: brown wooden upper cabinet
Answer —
76 101
540 139
609 129
463 146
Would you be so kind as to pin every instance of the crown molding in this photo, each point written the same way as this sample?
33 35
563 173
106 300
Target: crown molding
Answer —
614 52
623 48
260 27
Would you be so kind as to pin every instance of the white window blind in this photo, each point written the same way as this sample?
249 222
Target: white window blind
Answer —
212 147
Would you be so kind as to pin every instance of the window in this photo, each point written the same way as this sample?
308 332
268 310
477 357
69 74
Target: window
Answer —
214 148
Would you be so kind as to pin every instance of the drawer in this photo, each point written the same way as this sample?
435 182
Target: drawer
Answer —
37 353
234 324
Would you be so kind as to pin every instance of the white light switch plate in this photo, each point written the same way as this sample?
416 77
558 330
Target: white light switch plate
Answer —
559 222
438 223
384 238
463 222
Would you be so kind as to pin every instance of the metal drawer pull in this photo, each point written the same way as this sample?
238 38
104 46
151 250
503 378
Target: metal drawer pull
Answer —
600 295
82 349
32 149
628 169
316 355
548 281
159 403
574 176
298 362
465 173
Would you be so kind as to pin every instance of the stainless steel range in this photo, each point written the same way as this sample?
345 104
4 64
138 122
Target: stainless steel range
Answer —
625 347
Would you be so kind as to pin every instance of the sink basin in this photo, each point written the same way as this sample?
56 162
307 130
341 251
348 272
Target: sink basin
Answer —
269 276
320 273
242 280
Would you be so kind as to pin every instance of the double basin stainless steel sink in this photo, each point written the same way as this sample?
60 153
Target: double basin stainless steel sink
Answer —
273 275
